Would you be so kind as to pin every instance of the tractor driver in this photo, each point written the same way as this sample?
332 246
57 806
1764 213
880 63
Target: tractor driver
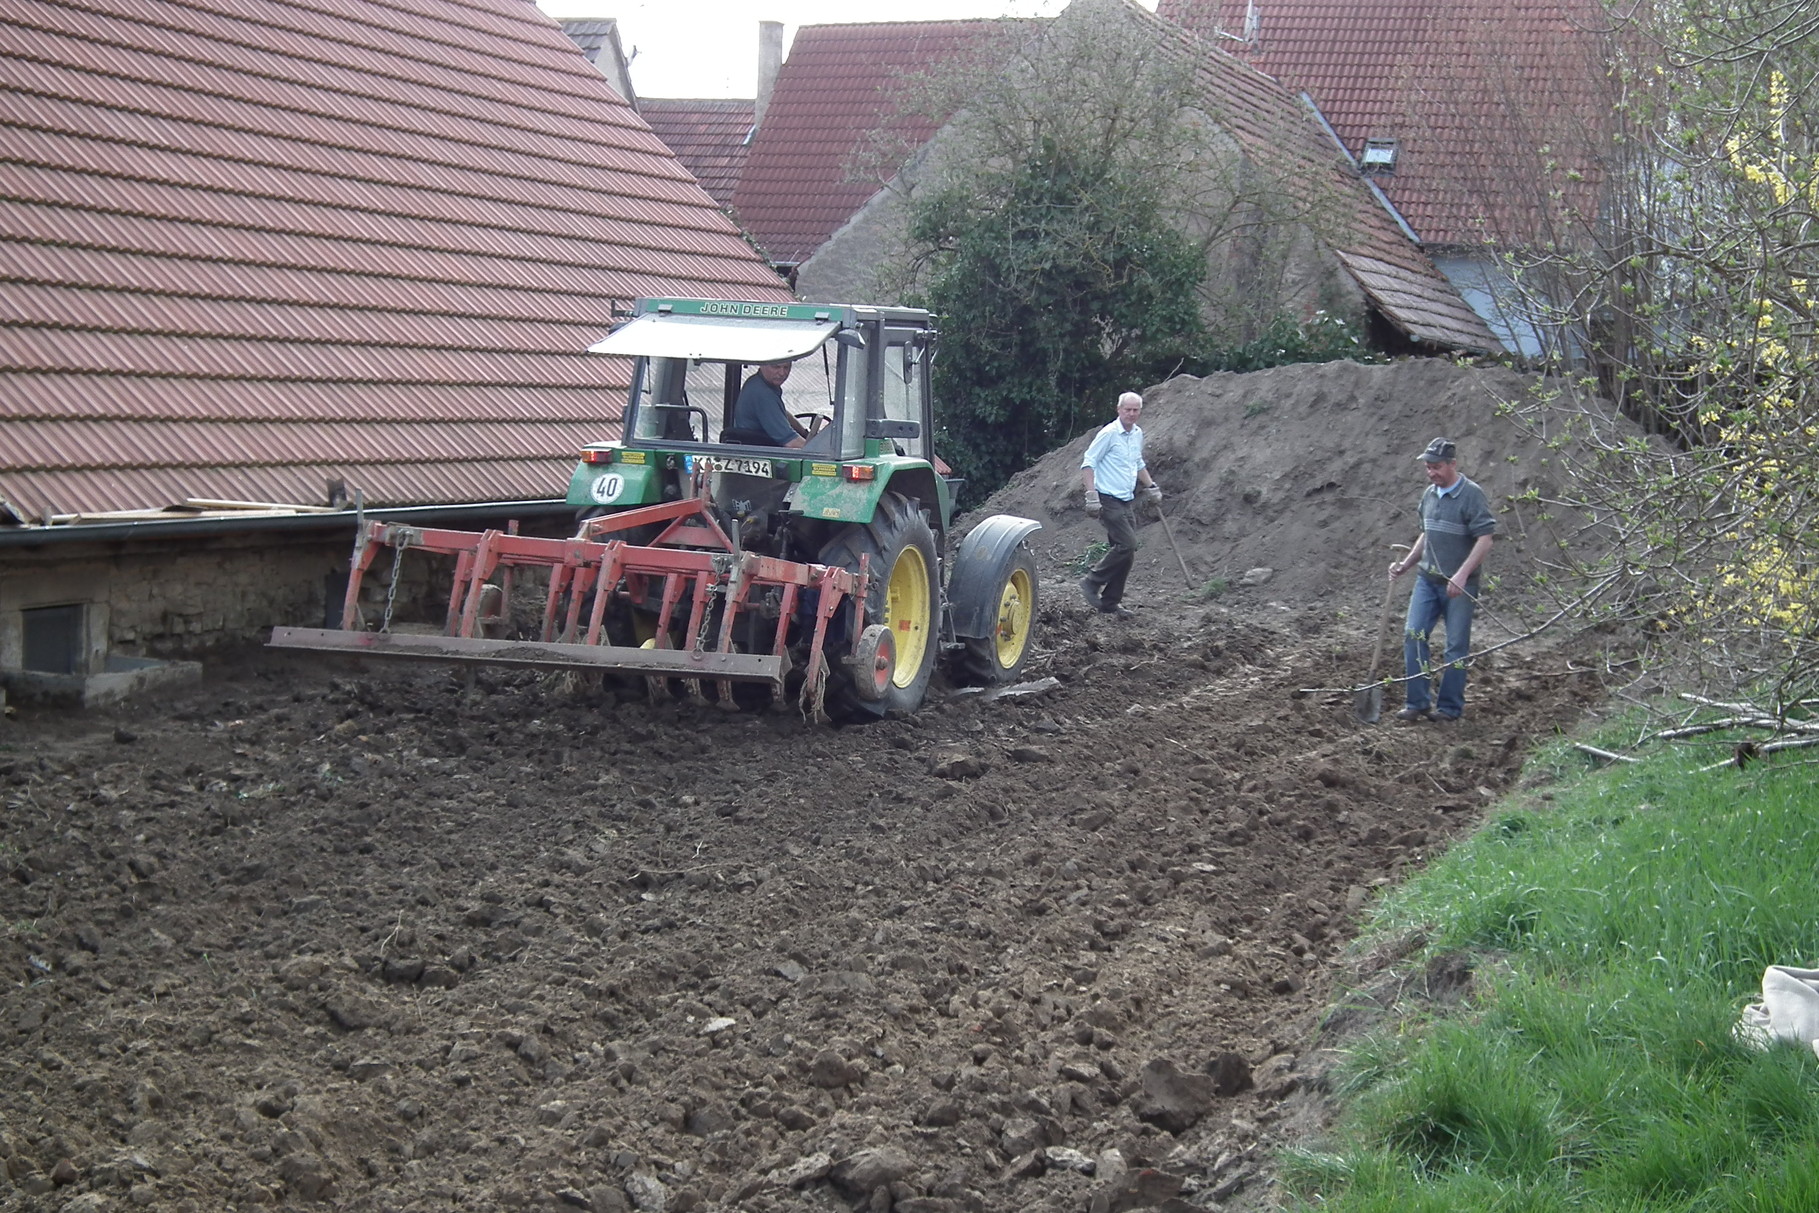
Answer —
760 415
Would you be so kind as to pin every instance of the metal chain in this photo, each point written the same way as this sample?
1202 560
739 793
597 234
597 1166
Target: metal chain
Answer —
391 589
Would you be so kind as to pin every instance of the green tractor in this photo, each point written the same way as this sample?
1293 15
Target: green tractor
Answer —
773 521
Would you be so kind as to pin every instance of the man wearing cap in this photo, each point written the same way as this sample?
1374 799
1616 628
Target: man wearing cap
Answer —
1456 529
1111 472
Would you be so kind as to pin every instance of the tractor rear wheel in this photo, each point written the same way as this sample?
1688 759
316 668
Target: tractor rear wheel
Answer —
903 596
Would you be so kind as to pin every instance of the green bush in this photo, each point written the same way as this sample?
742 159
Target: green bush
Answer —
1323 337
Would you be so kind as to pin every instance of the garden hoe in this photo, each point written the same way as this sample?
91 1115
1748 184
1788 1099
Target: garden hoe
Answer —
1368 705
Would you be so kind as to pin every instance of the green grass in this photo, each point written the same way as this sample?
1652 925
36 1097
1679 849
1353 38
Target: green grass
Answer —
1615 933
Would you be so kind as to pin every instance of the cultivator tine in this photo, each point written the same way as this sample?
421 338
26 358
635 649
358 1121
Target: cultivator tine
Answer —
737 586
464 567
604 578
833 588
561 579
505 583
814 690
672 594
364 551
697 622
785 612
681 578
479 568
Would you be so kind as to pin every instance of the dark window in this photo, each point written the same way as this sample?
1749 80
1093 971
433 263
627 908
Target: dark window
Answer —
53 639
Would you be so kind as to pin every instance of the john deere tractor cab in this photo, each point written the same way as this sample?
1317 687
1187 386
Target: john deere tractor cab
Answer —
858 382
707 556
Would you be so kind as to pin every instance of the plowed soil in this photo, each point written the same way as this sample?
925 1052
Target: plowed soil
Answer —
386 938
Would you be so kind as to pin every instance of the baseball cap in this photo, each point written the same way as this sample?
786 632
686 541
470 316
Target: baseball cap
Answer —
1440 450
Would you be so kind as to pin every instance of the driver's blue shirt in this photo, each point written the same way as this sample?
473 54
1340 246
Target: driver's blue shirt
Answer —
759 409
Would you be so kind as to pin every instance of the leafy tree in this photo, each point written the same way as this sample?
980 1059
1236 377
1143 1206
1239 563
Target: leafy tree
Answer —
1671 274
1071 288
1061 228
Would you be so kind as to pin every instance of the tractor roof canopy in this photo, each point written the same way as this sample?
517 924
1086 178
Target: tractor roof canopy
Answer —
719 338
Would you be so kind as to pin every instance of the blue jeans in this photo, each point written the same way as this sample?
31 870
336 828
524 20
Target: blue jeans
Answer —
1427 605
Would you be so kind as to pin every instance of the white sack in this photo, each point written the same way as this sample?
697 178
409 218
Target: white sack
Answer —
1789 1010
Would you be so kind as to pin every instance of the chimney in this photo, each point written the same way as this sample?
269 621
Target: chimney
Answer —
770 60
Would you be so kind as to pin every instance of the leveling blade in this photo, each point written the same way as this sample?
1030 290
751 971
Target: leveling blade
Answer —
674 663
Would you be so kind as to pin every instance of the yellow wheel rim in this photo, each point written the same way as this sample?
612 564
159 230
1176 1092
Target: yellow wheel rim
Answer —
1013 619
907 611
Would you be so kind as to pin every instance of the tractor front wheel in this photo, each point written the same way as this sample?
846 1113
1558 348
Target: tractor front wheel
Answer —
997 658
903 596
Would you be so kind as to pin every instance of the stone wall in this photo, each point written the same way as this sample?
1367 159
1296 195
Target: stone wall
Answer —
173 596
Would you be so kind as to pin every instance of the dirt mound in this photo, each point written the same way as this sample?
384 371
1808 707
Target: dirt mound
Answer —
382 938
1308 471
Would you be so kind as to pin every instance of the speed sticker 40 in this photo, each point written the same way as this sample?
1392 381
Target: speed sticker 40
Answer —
608 488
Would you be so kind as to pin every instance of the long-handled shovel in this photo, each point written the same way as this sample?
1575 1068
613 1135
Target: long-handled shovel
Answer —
1368 705
1170 532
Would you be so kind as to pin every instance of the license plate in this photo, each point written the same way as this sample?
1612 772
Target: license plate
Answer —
731 463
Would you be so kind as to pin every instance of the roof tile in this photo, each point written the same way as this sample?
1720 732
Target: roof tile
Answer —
840 84
1463 86
1278 131
248 246
709 137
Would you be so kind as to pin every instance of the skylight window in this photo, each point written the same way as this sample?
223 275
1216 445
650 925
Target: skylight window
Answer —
1379 159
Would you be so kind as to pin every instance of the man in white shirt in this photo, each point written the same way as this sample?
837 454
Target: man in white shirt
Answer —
1111 472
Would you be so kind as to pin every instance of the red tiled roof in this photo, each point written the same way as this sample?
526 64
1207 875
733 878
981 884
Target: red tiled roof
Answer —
1471 90
1282 138
840 84
249 246
708 137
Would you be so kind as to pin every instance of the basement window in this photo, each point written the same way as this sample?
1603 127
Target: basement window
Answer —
53 638
1379 159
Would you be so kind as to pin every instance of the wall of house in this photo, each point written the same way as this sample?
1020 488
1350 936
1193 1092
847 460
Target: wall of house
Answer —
170 597
1261 271
175 597
854 266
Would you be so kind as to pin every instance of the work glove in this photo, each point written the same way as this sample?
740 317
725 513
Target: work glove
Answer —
1092 503
1154 492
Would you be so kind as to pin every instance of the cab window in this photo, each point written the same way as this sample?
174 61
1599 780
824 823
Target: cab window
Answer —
900 397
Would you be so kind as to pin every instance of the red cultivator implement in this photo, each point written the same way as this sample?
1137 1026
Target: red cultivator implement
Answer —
687 604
